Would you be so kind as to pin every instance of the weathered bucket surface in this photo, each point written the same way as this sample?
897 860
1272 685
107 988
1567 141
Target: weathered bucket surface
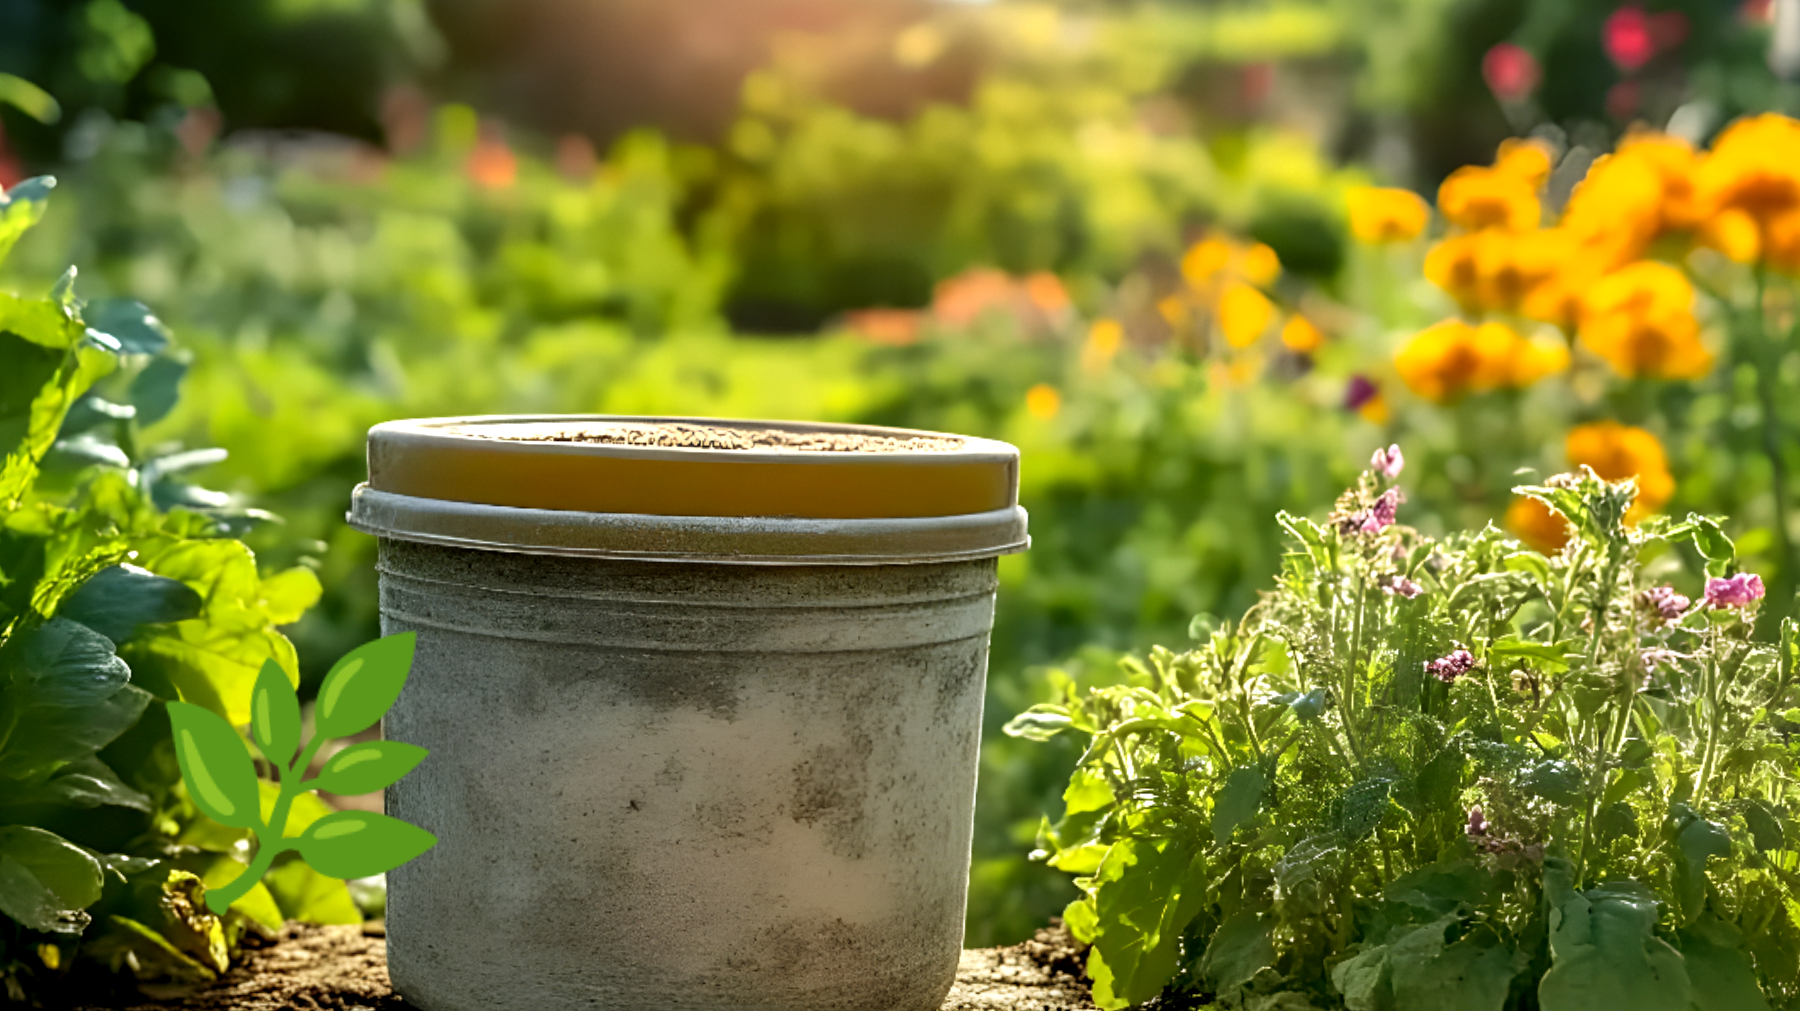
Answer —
687 759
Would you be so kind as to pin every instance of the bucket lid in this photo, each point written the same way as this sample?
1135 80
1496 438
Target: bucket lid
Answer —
700 489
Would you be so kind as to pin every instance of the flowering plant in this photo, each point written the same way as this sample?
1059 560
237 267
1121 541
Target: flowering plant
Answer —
1451 773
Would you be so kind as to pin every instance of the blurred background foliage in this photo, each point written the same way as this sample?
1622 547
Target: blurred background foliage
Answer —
976 217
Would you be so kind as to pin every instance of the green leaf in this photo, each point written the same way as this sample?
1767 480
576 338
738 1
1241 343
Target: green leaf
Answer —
45 880
215 765
1699 841
1443 888
1146 892
116 601
41 736
1465 976
1721 972
1310 706
1549 656
84 783
29 99
258 903
1087 791
1606 957
131 323
362 686
356 844
21 207
275 715
306 895
157 389
1237 801
1554 780
1239 949
375 765
1039 723
68 664
1765 826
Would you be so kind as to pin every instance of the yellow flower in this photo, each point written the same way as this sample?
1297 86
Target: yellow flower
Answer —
1754 166
1528 160
1640 319
1537 525
1476 198
1452 265
1258 264
1301 336
1617 452
1619 204
1375 410
1204 260
1734 233
1380 214
1043 401
1103 341
1452 358
1175 311
1244 314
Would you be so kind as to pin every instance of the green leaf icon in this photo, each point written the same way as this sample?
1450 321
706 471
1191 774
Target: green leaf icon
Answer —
275 715
363 685
215 765
365 768
356 844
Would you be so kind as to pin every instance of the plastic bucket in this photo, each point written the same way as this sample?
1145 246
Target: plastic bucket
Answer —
703 722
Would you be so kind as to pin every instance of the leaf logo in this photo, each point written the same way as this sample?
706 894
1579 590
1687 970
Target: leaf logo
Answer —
221 777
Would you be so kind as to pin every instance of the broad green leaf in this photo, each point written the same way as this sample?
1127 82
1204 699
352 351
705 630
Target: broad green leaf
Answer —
1765 826
371 766
215 765
131 323
287 594
1237 801
1039 723
362 686
1365 979
1465 976
117 600
29 433
120 941
1549 656
1087 791
39 736
1145 895
1239 949
275 715
1554 780
1606 957
157 388
1699 841
1309 706
357 844
45 880
68 664
306 895
84 783
1723 978
1081 920
1443 888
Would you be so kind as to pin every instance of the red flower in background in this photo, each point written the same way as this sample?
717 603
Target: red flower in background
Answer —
1511 73
1627 39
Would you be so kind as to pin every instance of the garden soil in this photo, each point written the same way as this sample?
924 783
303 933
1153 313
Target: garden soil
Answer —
312 968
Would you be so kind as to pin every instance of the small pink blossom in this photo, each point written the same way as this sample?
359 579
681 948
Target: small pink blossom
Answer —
1388 462
1627 38
1663 603
1511 73
1478 823
1398 584
1741 590
1382 514
1451 666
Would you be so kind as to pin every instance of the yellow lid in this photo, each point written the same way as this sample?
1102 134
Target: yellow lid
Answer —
682 467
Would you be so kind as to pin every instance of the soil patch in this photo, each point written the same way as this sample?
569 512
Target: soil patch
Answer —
680 435
314 968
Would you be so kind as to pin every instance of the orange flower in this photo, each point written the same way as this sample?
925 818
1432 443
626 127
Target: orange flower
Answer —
1452 358
1244 314
1537 525
1754 166
1528 160
1640 319
1476 198
1301 336
1381 214
885 326
1204 260
1617 452
1043 401
1258 264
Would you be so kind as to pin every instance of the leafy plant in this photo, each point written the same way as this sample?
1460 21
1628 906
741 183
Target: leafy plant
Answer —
1449 773
110 607
219 775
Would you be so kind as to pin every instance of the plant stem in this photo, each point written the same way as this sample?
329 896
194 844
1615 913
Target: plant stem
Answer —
270 839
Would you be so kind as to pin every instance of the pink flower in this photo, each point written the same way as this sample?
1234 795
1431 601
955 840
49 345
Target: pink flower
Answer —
1398 584
1627 38
1478 823
1382 514
1388 462
1663 603
1452 666
1511 73
1741 590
